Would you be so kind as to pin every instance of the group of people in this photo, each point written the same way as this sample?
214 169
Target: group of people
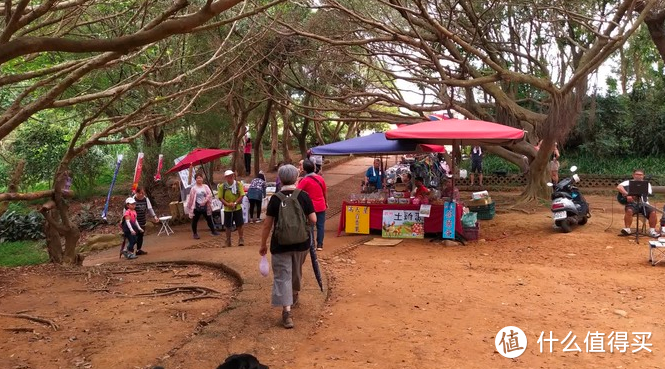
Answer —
134 219
288 249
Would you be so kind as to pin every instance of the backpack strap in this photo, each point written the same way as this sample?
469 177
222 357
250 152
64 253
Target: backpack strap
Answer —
325 195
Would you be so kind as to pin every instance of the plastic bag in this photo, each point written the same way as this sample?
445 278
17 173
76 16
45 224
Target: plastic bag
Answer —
264 268
469 219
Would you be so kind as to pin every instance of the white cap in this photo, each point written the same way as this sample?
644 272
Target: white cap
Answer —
130 200
228 172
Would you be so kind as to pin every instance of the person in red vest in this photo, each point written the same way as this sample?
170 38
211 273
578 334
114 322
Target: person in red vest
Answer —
248 156
315 186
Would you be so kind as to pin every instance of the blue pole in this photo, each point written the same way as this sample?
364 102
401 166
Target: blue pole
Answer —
108 196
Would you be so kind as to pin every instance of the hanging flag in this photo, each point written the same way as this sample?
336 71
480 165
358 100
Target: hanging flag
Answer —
137 172
158 176
108 197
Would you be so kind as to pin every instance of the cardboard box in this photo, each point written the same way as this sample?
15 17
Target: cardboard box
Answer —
480 195
479 202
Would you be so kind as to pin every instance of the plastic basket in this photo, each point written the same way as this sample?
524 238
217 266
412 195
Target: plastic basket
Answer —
471 233
485 212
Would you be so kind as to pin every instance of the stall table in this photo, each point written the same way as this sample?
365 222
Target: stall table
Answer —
433 223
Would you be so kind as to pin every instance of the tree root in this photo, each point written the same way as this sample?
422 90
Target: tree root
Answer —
32 318
204 296
19 329
202 292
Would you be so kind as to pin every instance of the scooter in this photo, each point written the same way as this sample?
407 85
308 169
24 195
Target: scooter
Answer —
568 205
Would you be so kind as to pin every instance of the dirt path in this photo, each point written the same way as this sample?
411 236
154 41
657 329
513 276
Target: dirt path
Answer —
418 304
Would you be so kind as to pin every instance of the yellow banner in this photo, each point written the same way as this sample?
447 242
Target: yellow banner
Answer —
357 219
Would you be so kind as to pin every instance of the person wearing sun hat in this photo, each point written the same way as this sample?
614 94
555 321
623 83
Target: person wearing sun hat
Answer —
231 193
130 227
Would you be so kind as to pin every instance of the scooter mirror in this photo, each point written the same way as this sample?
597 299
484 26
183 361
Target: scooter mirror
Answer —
550 184
573 168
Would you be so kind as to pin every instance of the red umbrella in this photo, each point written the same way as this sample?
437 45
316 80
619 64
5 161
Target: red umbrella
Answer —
198 157
458 132
432 148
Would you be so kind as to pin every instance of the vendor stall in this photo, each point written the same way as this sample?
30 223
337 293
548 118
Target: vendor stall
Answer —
432 224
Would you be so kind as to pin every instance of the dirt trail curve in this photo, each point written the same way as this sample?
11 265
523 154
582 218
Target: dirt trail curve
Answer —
249 324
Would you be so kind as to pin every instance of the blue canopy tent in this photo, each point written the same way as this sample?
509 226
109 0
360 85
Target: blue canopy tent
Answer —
374 144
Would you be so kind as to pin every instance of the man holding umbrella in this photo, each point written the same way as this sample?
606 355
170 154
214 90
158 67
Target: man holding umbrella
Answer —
289 211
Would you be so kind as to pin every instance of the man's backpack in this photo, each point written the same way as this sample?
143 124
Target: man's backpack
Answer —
291 225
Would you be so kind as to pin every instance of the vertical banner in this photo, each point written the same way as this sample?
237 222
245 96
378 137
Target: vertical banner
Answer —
158 175
108 196
402 224
449 212
357 220
137 172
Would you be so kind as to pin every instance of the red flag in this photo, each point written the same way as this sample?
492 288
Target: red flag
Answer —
137 172
158 176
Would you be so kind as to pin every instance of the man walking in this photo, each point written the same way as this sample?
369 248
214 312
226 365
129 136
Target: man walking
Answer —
231 192
315 186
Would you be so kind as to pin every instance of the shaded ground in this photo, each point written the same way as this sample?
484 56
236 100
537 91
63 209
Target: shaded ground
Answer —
419 303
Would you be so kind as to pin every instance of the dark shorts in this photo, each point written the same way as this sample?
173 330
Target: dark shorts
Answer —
231 217
477 166
644 210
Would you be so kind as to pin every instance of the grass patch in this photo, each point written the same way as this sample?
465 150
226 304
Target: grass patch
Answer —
19 253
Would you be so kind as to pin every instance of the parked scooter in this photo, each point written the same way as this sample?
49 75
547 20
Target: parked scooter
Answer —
568 205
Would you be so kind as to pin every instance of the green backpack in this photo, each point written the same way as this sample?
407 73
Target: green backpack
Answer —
291 225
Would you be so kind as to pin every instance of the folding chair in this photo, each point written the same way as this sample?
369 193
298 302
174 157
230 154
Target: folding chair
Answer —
656 252
166 228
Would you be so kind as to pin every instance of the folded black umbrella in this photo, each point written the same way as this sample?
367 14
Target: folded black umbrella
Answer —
315 261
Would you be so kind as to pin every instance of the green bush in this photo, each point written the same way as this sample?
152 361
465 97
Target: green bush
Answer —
15 226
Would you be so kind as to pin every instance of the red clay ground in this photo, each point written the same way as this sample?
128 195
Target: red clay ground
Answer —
418 304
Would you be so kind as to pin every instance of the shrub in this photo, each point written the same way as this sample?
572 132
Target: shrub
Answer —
15 226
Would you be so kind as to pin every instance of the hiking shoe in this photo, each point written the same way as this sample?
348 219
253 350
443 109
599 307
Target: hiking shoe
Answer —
654 234
128 255
319 248
626 231
141 252
196 236
258 220
287 320
241 242
215 233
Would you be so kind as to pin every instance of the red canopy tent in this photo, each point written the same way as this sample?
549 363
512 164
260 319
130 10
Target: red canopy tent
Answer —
457 132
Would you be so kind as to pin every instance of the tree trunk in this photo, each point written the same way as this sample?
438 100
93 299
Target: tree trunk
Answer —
260 130
656 28
53 245
238 159
351 131
286 137
152 140
274 143
14 182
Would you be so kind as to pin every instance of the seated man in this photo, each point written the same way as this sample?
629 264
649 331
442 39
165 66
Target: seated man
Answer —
449 191
420 190
633 207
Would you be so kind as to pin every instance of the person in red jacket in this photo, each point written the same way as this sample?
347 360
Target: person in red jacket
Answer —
315 186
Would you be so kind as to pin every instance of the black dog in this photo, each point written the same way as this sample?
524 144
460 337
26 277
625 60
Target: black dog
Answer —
240 361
